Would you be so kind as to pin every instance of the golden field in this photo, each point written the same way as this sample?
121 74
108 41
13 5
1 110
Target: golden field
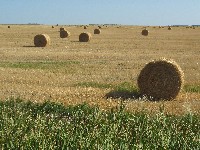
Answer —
74 72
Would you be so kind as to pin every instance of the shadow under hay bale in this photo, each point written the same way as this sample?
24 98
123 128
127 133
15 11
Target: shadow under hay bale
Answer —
85 37
97 31
124 95
161 80
41 40
145 32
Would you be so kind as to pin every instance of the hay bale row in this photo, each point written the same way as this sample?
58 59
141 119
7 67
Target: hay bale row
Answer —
161 79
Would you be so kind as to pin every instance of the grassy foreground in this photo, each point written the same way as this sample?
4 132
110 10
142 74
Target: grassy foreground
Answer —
49 125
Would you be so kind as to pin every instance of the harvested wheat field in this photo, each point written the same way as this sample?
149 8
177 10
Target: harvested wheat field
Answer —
101 72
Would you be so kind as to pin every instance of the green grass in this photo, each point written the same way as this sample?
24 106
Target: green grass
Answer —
122 87
38 65
27 125
94 85
192 88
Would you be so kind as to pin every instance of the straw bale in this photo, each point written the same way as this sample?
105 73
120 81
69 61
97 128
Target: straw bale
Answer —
161 79
64 34
97 31
145 32
41 40
85 37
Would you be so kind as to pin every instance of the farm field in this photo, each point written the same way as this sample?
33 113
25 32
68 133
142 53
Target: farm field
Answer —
98 72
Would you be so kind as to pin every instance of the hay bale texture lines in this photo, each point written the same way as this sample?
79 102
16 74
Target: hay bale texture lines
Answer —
161 79
41 40
85 37
97 31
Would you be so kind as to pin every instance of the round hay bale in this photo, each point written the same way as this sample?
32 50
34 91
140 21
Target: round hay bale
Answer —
99 27
145 32
97 31
8 26
85 37
52 27
85 27
64 34
169 28
160 79
41 40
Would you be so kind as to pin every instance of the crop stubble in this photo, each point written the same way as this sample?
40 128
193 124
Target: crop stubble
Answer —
115 56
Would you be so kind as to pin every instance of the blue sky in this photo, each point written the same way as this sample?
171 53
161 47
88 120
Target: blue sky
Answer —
127 12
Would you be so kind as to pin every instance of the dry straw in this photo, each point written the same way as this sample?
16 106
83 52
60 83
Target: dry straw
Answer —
145 32
97 31
85 37
161 79
41 40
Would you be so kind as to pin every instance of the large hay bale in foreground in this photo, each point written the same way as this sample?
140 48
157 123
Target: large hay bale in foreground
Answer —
64 34
161 79
145 32
85 37
97 31
41 40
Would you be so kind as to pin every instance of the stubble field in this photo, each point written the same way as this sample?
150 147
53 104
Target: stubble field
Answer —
98 72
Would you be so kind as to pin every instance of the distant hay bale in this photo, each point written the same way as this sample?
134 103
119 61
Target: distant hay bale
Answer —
145 32
57 25
160 27
85 27
169 28
8 26
161 79
64 34
99 27
85 37
97 31
52 27
41 40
